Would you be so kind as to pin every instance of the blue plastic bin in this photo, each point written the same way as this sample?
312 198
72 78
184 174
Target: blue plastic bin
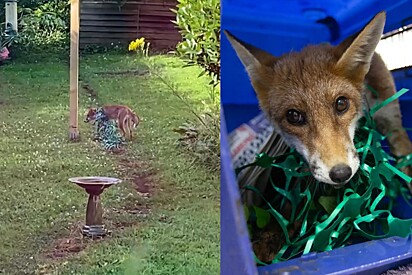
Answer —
278 27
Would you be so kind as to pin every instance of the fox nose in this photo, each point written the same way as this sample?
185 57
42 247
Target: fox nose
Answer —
340 173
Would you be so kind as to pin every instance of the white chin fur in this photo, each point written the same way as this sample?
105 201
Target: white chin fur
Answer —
321 171
353 159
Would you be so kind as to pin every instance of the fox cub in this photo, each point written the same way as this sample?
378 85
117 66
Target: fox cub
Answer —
127 120
314 99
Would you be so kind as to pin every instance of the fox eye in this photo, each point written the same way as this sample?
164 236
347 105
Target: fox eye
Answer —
341 105
295 117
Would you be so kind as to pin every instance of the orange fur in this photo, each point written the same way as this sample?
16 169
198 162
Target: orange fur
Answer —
127 120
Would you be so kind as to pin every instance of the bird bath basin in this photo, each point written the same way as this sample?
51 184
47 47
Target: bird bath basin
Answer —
94 186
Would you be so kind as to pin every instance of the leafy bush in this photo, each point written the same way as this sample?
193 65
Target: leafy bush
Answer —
44 26
199 24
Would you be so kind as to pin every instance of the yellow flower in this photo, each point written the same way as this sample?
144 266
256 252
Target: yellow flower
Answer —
137 44
132 46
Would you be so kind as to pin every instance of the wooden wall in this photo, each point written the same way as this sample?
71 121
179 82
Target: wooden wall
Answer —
104 22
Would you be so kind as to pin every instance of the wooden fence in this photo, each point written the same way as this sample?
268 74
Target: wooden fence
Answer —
105 22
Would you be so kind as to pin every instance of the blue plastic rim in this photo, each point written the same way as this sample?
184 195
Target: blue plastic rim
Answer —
278 27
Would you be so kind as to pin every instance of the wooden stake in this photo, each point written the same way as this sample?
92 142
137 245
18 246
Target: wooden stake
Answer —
74 68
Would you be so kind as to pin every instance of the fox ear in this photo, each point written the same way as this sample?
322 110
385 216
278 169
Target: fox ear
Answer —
356 58
258 64
250 55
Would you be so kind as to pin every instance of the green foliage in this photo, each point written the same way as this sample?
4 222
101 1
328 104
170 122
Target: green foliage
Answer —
262 216
200 135
199 24
6 36
43 25
201 138
89 49
328 203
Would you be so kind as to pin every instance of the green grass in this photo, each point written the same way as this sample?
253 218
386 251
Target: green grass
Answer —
180 234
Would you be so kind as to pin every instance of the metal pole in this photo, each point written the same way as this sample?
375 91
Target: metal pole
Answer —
11 15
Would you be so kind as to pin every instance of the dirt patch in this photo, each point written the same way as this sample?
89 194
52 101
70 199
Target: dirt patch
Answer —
125 73
67 245
117 151
143 183
141 174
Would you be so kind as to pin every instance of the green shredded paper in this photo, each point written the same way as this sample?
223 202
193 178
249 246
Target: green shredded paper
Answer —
330 218
107 132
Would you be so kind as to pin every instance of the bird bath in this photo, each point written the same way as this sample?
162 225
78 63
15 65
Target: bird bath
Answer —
94 186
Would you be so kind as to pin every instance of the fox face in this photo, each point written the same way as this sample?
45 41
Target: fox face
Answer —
90 115
314 97
316 113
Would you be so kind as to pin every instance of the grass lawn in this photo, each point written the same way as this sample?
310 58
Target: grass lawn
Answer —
170 227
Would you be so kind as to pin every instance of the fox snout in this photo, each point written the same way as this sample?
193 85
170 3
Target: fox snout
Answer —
326 143
329 152
340 173
90 115
336 176
334 165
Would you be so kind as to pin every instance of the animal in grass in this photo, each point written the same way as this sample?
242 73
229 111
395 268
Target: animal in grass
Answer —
126 119
315 98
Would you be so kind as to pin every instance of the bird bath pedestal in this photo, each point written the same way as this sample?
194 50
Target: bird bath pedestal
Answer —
94 186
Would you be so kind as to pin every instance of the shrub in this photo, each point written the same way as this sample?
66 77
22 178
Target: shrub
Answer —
199 24
43 26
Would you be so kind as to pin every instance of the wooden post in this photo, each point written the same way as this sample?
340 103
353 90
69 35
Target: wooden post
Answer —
74 68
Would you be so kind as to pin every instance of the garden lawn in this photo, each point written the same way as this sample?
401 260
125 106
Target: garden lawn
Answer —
170 227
